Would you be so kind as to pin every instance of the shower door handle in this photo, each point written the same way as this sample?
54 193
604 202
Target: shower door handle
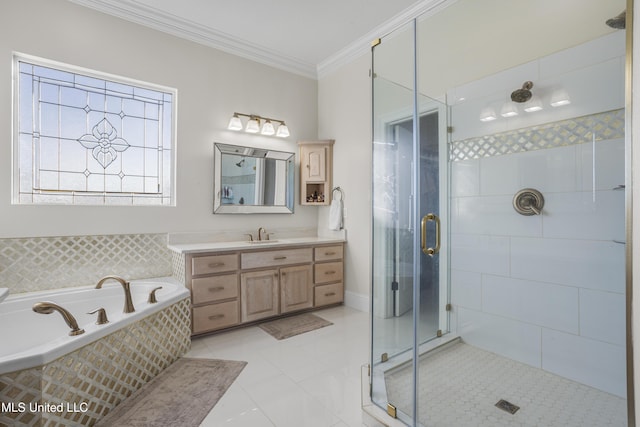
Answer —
423 231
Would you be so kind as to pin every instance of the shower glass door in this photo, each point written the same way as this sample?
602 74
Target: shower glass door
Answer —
409 296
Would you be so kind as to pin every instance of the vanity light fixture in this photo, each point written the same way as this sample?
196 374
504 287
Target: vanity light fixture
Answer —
253 125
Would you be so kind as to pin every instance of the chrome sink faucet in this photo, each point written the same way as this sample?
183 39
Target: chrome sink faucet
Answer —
47 307
128 302
261 230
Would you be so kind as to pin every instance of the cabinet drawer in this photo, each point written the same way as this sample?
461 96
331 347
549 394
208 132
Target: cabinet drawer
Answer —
214 264
328 253
215 316
214 288
275 258
328 272
328 294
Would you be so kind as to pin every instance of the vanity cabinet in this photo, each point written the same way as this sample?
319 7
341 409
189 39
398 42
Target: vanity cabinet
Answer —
259 295
232 288
296 288
316 159
214 291
328 275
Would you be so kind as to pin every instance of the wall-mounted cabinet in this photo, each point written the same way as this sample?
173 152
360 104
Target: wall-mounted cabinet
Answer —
316 171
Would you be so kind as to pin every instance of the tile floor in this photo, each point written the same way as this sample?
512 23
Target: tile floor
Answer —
310 380
460 384
314 380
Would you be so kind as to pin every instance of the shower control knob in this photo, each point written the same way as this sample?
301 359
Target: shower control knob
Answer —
528 202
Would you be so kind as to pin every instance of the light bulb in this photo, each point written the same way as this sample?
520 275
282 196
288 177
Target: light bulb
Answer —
253 125
283 131
267 128
235 123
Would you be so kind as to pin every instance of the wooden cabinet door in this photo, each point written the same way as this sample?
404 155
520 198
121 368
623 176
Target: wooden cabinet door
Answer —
296 288
259 295
315 163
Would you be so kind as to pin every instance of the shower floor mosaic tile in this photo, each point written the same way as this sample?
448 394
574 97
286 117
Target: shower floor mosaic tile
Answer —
461 384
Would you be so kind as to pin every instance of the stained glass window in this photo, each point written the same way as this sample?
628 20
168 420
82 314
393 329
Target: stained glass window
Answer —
87 138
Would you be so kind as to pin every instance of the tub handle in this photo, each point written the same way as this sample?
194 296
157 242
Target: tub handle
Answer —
152 296
102 316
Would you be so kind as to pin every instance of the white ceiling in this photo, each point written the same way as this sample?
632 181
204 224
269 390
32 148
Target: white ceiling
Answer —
302 36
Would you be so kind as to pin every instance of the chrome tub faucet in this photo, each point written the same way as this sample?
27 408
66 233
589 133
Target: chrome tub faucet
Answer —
48 307
126 286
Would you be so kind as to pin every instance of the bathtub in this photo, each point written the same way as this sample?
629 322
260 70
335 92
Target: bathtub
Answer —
31 339
43 368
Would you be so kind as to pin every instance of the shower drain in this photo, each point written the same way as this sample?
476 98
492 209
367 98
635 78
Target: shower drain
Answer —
507 406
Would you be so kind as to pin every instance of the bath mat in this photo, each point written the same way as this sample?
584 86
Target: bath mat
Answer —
295 325
182 395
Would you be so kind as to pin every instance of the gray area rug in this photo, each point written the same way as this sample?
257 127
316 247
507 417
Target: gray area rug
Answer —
182 395
295 325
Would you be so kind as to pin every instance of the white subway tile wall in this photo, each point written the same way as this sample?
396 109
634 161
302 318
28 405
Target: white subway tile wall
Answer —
546 290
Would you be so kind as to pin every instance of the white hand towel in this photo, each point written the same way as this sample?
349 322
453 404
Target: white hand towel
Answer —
335 215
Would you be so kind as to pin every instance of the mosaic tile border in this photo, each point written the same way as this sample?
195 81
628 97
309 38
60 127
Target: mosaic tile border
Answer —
579 130
178 266
101 374
42 263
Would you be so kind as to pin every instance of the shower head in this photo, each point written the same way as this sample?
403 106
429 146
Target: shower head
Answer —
524 94
240 163
618 22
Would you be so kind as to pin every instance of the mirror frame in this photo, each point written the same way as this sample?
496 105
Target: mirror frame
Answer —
220 148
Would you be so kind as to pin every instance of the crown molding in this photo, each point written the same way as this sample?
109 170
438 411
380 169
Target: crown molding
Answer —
362 45
171 24
168 23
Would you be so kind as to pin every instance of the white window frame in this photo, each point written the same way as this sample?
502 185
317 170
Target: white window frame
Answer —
34 196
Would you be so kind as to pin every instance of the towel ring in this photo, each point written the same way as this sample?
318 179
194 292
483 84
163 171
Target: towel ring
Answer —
341 193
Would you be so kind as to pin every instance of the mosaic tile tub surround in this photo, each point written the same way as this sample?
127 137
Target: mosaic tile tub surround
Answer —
91 381
42 263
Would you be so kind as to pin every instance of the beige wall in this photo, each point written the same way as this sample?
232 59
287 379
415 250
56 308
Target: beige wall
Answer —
344 113
211 86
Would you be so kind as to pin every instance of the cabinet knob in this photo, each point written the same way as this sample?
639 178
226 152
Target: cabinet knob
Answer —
216 289
330 272
279 257
216 317
329 294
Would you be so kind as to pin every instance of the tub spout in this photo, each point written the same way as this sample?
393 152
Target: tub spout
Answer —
128 302
47 307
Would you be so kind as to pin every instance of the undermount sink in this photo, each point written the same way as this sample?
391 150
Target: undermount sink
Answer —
4 292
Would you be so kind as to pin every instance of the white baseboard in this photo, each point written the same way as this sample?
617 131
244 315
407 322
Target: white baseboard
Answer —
357 301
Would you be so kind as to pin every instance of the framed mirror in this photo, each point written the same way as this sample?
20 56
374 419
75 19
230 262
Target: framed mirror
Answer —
252 180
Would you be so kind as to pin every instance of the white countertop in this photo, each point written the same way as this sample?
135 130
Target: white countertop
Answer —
239 245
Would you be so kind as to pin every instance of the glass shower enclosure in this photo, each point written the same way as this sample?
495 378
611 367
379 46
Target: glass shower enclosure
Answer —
498 237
